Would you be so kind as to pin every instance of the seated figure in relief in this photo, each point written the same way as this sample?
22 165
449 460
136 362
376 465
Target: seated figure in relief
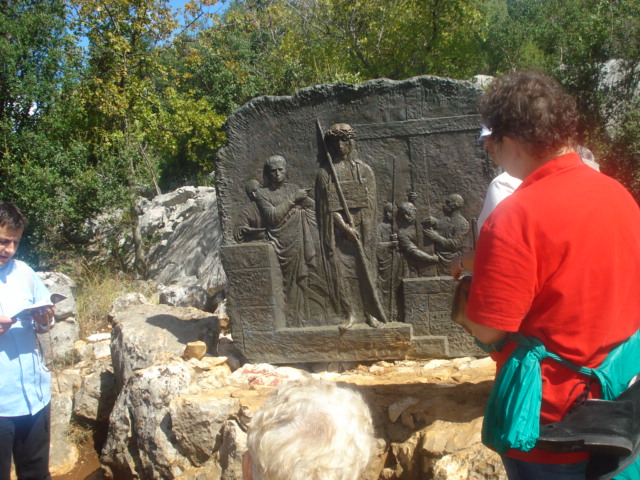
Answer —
288 213
249 225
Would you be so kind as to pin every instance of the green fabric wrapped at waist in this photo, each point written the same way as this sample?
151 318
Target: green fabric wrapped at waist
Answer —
512 416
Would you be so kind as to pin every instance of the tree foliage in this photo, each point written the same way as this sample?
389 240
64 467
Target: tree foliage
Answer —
314 41
104 99
39 71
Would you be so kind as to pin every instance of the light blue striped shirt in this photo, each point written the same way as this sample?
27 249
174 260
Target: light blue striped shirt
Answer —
25 383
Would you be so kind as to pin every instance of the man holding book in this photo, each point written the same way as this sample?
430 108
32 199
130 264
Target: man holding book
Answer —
25 381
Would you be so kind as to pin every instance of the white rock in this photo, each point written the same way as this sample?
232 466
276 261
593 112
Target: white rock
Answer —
147 334
64 454
396 409
184 296
433 364
60 283
142 412
98 337
197 420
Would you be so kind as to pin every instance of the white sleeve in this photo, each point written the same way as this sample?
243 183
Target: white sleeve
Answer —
500 188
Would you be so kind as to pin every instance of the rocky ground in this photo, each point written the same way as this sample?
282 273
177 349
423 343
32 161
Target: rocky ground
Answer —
88 466
427 415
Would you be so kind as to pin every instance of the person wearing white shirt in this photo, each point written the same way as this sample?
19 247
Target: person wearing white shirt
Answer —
500 188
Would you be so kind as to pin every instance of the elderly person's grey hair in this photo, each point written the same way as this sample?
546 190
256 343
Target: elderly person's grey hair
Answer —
310 429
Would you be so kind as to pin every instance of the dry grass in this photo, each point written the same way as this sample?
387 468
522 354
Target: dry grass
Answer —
98 287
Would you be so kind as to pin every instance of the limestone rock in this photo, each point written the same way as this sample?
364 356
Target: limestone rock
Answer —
442 438
234 444
98 337
181 237
195 350
209 409
63 454
227 348
197 421
406 462
377 463
397 408
58 343
613 75
69 380
211 373
60 283
178 419
482 80
221 312
186 222
141 441
265 374
476 462
184 296
102 349
147 334
95 398
95 347
209 471
126 301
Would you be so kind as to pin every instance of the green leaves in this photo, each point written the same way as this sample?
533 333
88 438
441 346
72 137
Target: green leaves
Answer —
326 40
102 99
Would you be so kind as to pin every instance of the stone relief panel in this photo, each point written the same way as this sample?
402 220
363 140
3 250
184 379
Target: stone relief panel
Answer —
357 198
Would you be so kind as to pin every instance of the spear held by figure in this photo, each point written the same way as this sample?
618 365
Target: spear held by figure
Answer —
394 237
369 279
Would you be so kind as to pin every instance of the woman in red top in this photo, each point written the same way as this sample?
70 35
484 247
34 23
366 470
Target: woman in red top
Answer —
558 260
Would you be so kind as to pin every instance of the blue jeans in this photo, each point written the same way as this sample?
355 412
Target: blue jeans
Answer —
521 470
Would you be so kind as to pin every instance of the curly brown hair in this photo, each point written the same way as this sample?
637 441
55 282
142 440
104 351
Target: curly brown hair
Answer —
533 108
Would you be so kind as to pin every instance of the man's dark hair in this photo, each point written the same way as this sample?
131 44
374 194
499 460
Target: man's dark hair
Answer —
532 108
11 216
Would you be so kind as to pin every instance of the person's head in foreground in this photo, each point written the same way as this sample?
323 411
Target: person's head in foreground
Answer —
531 120
309 430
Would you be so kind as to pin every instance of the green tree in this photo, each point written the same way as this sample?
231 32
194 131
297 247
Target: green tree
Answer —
141 123
579 43
38 161
593 48
278 46
33 44
118 86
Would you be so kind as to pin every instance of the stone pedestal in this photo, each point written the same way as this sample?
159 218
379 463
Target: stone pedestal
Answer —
427 307
255 304
255 300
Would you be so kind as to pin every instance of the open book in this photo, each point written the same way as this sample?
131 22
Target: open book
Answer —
27 312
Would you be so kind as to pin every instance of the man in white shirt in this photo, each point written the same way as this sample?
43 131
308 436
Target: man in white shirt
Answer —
500 188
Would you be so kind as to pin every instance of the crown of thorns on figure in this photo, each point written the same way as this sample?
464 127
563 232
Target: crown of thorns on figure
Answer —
340 130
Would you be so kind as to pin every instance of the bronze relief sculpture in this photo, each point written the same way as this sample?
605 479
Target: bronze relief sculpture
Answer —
337 239
346 209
